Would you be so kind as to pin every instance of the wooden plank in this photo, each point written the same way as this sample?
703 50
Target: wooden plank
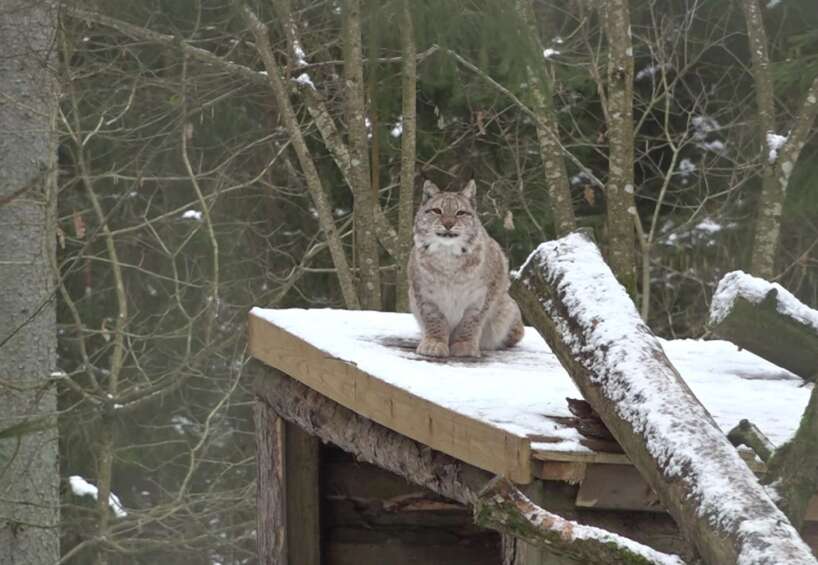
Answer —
271 512
812 510
302 498
616 487
565 471
581 456
472 441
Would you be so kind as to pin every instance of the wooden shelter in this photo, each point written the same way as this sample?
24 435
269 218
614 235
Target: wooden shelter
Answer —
415 433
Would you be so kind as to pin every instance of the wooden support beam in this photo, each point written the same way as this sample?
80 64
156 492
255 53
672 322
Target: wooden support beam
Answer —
570 295
373 443
303 501
271 509
287 499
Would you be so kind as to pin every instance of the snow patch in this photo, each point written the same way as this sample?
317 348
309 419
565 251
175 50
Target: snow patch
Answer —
549 53
775 142
397 129
754 290
304 80
81 487
192 215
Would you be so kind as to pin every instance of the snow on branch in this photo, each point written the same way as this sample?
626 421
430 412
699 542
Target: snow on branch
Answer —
81 487
570 295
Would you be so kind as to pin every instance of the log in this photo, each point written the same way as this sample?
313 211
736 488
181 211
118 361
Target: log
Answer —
440 473
502 506
271 508
766 319
572 298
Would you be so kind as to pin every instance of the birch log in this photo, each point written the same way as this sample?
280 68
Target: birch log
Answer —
570 295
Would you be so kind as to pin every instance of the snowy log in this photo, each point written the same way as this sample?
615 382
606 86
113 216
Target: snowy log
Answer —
570 295
378 445
768 320
501 506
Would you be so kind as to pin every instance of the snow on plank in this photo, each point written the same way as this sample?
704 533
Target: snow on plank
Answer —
572 297
522 391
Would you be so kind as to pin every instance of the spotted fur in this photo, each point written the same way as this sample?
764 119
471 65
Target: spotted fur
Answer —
458 279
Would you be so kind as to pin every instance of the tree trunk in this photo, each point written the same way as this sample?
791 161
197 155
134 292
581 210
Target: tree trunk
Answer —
366 243
556 176
587 319
271 503
29 489
406 210
767 320
621 208
776 171
376 444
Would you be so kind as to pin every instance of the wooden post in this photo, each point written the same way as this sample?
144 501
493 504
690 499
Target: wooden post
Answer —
287 498
303 525
270 495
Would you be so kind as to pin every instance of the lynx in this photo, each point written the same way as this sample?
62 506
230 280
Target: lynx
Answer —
458 279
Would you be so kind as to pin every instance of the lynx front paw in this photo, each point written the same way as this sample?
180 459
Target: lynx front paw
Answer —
432 347
465 349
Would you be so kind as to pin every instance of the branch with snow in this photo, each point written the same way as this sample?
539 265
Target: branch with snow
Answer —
501 506
571 296
81 487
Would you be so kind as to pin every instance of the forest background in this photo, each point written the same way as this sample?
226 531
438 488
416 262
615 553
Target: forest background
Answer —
212 156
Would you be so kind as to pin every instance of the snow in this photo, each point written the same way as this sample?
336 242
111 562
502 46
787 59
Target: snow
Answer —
625 361
192 215
754 289
523 390
772 4
651 71
81 487
300 56
549 53
304 79
775 142
397 130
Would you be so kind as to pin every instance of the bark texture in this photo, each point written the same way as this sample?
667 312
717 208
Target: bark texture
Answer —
779 338
678 449
556 176
29 474
271 504
619 200
501 506
366 243
793 468
776 172
406 210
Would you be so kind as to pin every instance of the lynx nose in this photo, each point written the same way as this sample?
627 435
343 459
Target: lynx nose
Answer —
448 222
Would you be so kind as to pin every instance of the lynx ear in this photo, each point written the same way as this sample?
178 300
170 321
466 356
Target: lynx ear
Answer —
470 192
429 190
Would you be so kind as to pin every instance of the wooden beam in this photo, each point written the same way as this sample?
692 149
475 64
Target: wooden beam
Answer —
271 508
570 295
303 502
376 444
472 441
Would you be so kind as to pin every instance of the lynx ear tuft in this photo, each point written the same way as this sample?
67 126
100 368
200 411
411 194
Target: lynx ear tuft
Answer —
470 191
429 190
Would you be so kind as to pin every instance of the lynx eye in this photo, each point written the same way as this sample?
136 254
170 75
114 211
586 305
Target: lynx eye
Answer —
434 210
463 213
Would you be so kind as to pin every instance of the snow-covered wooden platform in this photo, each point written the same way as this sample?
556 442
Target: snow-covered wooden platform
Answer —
506 412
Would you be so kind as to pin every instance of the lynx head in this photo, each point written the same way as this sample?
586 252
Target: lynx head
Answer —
447 219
